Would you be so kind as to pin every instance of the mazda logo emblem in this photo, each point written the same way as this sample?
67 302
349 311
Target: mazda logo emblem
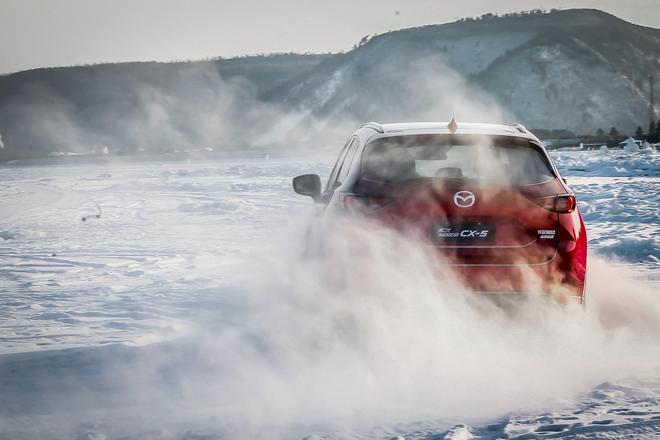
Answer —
464 199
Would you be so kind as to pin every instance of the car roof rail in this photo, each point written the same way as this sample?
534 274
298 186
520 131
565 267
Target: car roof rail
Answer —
375 126
521 128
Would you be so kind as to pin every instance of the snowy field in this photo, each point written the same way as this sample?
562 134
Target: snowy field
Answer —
172 300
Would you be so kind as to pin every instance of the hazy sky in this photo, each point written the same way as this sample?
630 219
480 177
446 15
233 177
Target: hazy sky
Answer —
37 33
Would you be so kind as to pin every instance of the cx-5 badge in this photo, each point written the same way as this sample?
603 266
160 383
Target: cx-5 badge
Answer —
464 199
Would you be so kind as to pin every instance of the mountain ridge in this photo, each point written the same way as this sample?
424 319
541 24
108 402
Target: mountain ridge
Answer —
578 41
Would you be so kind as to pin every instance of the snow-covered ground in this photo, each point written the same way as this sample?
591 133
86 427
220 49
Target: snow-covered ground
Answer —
162 244
173 300
619 195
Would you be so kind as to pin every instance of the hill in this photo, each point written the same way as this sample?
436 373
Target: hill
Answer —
574 69
140 106
578 69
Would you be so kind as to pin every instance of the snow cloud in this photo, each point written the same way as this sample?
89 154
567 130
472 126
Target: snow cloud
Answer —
368 333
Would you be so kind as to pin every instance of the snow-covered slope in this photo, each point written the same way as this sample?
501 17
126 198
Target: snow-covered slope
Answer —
228 330
575 69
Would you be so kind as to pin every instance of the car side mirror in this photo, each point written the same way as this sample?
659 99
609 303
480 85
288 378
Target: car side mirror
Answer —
308 185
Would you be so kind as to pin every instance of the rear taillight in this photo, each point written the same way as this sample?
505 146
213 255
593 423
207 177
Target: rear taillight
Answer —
356 202
563 203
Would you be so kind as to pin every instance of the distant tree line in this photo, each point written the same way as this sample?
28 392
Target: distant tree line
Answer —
529 13
652 135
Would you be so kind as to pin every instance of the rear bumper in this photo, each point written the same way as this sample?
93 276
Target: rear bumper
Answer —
556 277
508 299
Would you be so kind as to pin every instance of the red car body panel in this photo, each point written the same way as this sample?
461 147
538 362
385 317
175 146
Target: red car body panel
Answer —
518 257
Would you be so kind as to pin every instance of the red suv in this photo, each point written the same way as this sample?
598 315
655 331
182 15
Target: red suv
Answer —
487 197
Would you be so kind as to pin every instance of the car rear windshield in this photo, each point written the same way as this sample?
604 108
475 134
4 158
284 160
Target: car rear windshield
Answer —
491 159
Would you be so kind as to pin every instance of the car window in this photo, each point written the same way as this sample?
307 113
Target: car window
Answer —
346 166
335 170
412 157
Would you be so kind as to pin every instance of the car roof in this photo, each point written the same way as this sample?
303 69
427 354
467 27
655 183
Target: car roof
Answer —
515 130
